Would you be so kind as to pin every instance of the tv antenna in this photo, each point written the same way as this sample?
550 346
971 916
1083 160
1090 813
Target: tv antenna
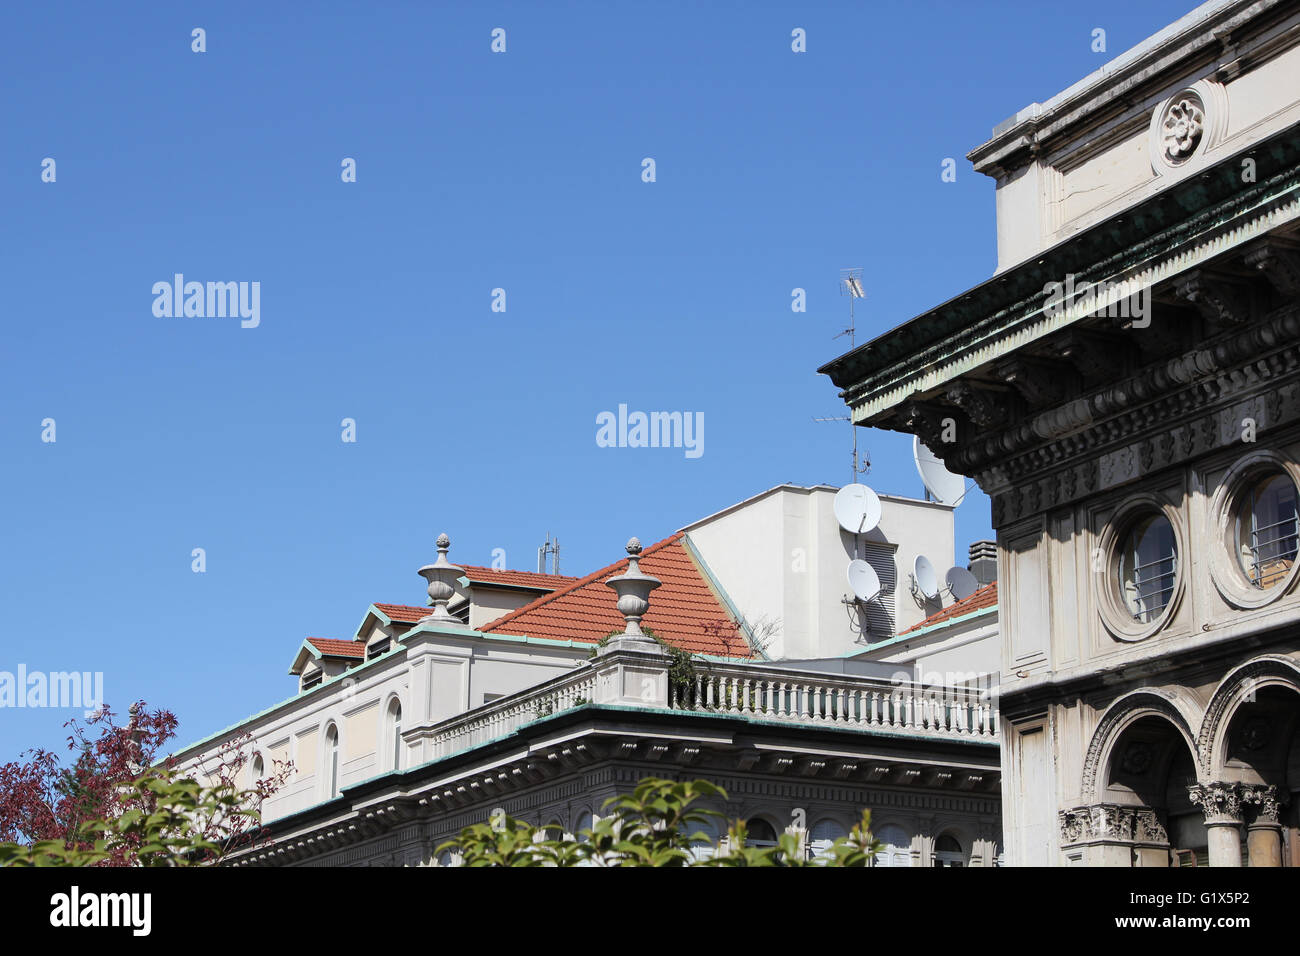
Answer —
851 286
551 548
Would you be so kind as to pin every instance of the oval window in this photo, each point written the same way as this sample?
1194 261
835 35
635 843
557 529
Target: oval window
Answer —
1148 568
1267 531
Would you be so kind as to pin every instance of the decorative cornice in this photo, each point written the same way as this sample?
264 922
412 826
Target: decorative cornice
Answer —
1160 418
1209 215
1280 265
1218 301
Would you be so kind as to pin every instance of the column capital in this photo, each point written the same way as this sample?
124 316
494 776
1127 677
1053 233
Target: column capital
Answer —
1220 802
1266 801
1100 821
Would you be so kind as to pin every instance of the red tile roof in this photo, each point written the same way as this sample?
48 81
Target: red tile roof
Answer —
410 614
404 613
684 610
986 596
521 579
332 648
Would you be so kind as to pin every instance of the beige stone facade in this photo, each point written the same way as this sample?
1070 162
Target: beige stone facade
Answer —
1127 391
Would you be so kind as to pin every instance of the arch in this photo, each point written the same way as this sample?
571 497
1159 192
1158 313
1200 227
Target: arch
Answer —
393 733
825 832
1173 705
897 849
761 832
950 850
583 819
1242 682
256 768
330 765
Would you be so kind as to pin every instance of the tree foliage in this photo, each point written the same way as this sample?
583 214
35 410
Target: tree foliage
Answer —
661 823
119 804
160 821
42 800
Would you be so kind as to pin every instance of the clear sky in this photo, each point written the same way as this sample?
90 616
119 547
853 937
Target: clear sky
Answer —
475 171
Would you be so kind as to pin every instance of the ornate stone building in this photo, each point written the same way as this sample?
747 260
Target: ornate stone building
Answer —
1126 389
511 693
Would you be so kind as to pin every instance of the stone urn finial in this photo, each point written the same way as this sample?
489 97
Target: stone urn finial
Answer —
633 589
442 576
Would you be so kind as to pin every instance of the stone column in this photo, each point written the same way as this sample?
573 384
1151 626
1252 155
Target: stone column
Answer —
1264 832
1221 804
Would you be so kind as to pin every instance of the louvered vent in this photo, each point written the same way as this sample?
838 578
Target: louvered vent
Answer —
879 613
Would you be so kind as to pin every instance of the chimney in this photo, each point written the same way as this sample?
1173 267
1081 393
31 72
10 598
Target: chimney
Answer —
984 562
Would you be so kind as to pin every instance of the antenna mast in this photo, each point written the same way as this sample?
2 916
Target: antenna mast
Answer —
551 548
851 286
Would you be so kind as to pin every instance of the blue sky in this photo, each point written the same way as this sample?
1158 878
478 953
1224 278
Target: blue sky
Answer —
475 171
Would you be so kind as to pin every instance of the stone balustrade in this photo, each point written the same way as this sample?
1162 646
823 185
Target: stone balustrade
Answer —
760 692
812 698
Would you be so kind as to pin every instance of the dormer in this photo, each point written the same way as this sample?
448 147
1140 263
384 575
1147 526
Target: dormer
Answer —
320 658
486 594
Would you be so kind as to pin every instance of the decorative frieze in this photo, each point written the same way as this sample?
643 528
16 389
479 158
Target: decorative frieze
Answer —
1196 433
1113 823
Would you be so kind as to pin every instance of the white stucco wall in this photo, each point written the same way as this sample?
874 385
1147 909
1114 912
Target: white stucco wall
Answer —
435 674
782 558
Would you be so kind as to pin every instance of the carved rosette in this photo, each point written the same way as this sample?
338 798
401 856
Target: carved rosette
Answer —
1220 802
1182 127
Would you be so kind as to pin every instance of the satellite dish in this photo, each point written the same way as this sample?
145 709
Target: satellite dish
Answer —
863 580
926 579
857 508
961 583
944 487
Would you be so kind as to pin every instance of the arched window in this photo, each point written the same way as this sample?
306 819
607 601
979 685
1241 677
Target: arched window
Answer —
332 760
897 850
760 833
821 836
258 769
948 852
395 732
582 820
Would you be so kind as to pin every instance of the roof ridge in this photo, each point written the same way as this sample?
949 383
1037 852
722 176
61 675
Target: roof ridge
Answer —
536 574
580 582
